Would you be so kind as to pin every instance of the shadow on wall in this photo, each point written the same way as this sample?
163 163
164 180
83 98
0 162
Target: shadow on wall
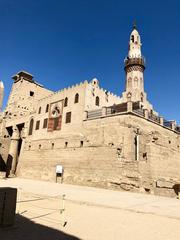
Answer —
2 164
26 229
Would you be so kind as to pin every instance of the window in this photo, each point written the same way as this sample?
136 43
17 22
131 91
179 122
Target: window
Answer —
31 93
31 126
52 145
37 125
76 99
129 82
81 143
135 82
66 102
47 108
45 123
68 117
66 144
97 101
132 38
39 110
56 123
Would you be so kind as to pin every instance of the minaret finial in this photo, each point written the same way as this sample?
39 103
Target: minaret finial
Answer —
134 24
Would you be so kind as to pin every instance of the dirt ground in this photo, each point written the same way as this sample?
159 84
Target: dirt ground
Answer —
89 214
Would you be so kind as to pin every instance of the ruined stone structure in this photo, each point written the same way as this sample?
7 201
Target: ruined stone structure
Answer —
99 138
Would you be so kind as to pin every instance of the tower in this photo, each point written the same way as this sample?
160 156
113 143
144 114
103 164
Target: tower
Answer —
134 69
1 94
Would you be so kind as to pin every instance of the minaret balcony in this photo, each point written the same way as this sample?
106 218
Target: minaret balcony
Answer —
134 61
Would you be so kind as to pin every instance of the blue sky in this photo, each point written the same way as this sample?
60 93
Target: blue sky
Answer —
68 41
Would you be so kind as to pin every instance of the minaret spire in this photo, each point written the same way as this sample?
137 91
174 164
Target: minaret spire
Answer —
134 68
134 24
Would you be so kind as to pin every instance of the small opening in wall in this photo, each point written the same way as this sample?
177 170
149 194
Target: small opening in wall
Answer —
76 99
132 38
147 190
145 156
39 111
45 123
37 125
29 147
47 108
66 144
66 102
97 101
111 144
169 142
40 146
68 117
52 146
81 144
31 93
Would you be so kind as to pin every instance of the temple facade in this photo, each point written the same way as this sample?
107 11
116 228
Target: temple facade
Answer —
100 139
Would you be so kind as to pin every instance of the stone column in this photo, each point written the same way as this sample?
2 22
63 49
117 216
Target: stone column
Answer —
129 106
104 111
162 121
173 125
13 150
85 117
146 113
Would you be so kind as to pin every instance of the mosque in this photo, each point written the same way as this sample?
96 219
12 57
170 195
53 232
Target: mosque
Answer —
100 139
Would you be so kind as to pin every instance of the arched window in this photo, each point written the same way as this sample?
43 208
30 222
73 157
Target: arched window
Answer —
65 102
76 99
97 101
135 82
39 110
47 108
132 38
129 82
31 126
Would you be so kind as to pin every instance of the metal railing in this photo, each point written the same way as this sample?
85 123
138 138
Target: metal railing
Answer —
136 109
139 111
94 113
134 61
167 123
154 118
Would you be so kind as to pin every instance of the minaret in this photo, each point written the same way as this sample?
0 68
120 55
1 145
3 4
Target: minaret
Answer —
1 94
134 68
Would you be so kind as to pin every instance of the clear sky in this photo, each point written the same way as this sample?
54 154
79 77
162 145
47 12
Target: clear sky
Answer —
63 42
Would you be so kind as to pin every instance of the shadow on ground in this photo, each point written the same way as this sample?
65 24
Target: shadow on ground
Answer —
25 229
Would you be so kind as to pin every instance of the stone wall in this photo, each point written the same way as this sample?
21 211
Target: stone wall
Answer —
105 155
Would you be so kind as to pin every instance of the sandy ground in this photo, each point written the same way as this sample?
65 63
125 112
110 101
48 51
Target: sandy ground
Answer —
90 214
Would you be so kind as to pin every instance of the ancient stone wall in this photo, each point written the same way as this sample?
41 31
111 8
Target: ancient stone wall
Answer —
105 155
